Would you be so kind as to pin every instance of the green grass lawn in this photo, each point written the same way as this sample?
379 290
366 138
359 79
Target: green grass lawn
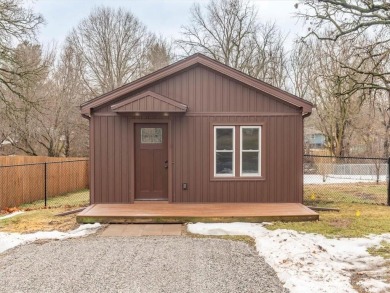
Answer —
362 210
371 193
39 218
73 199
353 220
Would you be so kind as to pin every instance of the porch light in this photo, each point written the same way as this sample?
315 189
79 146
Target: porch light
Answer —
166 114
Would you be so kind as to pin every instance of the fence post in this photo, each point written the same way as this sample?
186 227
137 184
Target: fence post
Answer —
45 181
388 181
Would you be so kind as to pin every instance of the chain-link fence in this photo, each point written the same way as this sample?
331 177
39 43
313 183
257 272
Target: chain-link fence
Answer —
345 179
51 184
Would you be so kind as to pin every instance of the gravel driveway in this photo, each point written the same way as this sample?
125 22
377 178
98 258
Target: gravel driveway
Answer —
136 264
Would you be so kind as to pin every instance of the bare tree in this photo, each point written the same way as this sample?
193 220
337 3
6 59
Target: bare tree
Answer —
47 121
113 46
159 54
223 32
269 60
382 111
23 115
228 31
347 20
70 92
301 68
380 104
17 24
329 88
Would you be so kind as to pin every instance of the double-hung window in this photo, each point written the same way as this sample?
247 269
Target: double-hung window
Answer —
246 152
250 150
224 150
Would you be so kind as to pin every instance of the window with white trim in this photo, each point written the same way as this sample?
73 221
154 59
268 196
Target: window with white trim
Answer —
247 150
250 150
224 150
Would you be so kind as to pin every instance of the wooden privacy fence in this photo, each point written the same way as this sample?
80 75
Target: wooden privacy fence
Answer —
21 160
27 180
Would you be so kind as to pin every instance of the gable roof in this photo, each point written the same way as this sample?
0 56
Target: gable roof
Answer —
186 63
149 102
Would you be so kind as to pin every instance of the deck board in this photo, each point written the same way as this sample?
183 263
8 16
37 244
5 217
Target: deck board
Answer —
181 213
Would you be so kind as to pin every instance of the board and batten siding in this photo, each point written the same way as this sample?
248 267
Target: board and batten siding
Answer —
212 98
204 90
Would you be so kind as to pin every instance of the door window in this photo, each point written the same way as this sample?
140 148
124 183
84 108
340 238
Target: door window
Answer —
151 135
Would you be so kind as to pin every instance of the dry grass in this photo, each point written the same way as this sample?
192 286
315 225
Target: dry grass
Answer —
246 239
383 250
353 220
72 199
332 194
350 198
39 220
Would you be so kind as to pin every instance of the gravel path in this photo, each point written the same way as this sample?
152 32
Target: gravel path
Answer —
136 264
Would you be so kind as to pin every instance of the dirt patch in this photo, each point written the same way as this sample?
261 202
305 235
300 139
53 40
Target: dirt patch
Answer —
355 279
366 196
341 223
380 273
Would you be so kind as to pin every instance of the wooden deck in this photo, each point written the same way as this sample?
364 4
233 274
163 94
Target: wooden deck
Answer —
182 213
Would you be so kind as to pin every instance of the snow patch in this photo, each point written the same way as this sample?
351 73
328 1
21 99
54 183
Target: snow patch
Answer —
10 240
341 179
374 286
11 215
308 262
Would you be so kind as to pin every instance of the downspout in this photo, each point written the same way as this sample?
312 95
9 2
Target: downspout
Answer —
303 144
86 116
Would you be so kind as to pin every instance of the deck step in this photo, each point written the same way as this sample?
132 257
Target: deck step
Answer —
184 213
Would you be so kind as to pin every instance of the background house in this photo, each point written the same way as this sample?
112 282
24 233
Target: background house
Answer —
314 139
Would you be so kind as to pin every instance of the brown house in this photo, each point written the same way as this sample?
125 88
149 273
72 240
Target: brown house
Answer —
196 131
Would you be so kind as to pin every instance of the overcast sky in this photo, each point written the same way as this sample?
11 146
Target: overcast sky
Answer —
163 17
